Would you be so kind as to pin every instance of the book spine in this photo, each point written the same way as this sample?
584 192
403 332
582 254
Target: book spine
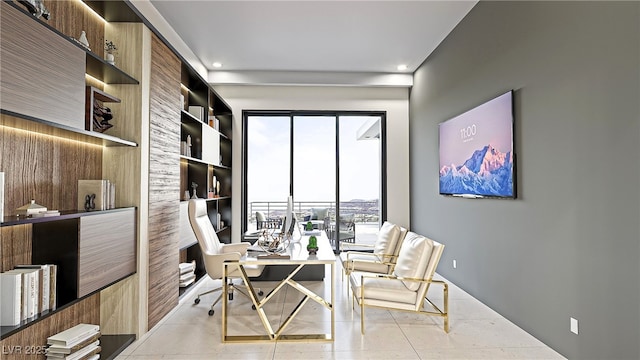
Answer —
105 195
1 196
40 291
112 196
30 294
10 299
53 273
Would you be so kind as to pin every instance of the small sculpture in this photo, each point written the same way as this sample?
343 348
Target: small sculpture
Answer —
83 40
36 8
312 247
90 202
194 185
101 117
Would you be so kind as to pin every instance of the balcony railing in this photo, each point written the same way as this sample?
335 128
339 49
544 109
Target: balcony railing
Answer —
364 211
366 215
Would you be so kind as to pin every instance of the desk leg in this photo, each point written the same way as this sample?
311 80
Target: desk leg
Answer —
333 301
225 299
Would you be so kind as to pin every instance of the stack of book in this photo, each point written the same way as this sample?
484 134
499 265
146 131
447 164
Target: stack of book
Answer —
81 342
96 195
187 273
27 291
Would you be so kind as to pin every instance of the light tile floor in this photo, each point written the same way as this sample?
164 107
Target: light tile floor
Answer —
476 332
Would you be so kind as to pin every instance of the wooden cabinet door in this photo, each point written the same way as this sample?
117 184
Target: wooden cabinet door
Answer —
41 73
107 249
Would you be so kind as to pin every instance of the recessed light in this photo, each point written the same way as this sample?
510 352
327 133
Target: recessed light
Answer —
217 65
402 67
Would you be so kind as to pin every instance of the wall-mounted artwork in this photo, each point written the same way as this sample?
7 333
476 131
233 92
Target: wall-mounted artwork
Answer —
476 151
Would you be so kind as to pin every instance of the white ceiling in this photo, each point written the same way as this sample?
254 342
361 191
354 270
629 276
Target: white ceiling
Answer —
373 37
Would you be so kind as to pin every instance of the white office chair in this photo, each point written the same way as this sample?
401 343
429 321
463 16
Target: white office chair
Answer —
216 253
407 287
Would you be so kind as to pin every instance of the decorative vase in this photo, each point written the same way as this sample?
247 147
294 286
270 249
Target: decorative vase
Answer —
110 58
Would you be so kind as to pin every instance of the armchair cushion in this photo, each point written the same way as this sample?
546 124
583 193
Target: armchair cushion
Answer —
381 289
388 237
413 259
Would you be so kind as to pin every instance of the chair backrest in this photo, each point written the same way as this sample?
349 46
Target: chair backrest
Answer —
202 227
347 222
260 216
388 240
418 259
319 213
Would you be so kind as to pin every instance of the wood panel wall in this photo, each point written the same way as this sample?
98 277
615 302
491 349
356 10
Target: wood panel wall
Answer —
164 180
123 165
86 311
71 17
42 166
15 246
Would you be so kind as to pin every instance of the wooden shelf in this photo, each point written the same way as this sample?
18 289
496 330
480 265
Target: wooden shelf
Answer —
64 215
112 345
68 132
114 11
190 116
102 70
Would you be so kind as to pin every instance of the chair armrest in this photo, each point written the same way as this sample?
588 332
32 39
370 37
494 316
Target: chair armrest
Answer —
348 245
400 278
372 255
375 259
240 248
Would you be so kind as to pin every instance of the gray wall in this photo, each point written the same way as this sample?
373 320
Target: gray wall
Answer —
569 245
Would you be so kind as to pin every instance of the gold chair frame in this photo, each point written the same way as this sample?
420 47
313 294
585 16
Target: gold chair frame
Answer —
436 310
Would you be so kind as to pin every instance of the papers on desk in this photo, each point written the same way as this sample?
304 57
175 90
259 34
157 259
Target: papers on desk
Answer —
256 247
274 256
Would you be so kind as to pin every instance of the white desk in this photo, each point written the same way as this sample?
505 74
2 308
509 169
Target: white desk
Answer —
299 256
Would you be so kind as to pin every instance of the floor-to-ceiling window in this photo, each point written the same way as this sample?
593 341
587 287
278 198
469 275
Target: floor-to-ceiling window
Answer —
322 159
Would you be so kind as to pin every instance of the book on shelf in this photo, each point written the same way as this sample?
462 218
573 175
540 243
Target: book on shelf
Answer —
187 267
198 112
60 349
187 282
74 336
30 294
188 276
83 353
10 299
96 195
49 284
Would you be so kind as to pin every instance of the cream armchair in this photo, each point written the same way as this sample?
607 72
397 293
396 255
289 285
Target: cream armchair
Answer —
216 253
406 288
383 258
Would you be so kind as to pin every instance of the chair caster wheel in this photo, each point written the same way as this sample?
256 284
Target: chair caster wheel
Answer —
253 307
211 312
197 301
260 293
